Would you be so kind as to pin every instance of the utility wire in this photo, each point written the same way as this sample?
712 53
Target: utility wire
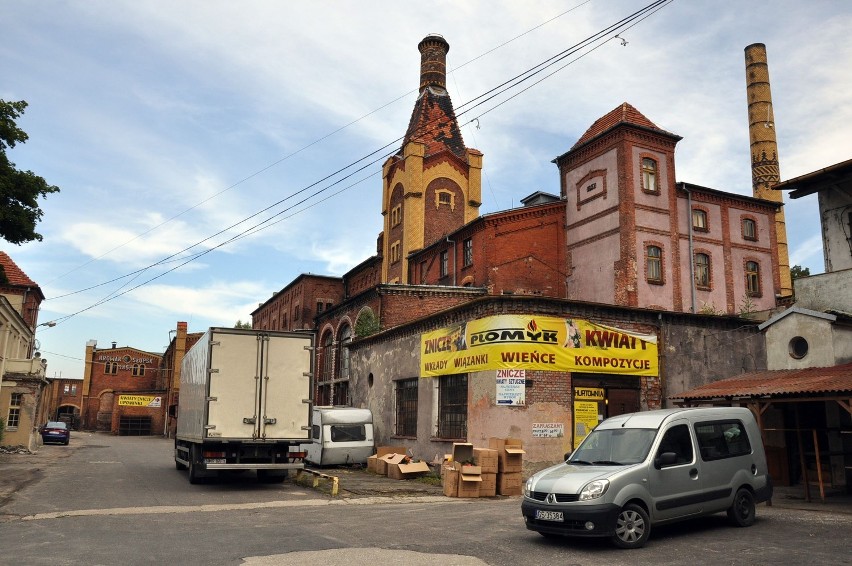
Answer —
482 99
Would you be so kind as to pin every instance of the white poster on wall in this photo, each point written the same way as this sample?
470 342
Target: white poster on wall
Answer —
511 387
548 430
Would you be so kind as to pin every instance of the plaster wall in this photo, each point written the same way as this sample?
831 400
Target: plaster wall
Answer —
592 267
835 208
827 291
817 331
578 207
705 349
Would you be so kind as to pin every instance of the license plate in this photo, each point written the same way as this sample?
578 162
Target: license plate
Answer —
214 461
548 515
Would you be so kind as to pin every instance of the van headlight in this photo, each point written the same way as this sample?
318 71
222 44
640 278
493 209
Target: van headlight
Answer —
528 487
594 489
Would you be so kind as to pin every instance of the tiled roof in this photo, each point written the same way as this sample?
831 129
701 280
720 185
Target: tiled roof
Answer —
776 383
433 122
16 276
624 114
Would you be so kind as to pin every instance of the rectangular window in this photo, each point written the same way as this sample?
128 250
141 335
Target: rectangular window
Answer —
445 263
452 406
722 439
699 220
406 407
67 389
74 389
14 417
423 272
348 433
649 175
655 264
319 307
702 270
749 229
752 279
468 252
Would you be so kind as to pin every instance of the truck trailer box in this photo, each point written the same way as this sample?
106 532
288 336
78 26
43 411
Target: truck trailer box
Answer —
245 402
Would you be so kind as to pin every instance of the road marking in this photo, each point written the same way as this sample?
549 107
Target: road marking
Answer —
174 509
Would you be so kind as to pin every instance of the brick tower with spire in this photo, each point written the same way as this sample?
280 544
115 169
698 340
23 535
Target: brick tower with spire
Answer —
432 186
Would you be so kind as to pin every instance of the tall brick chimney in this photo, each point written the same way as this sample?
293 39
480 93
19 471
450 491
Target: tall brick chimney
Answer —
433 61
765 172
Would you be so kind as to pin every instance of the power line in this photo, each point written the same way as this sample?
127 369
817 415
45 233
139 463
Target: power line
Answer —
599 38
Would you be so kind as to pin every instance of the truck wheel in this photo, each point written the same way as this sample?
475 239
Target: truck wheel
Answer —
632 527
194 476
741 512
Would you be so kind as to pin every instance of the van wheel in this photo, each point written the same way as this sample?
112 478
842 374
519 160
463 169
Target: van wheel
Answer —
741 512
632 527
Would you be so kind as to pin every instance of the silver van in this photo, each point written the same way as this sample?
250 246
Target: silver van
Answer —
642 469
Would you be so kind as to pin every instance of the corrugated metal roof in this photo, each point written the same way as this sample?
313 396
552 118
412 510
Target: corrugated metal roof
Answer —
810 381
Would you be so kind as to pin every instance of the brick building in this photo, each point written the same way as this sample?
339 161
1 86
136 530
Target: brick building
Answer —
624 251
121 391
168 379
637 238
64 400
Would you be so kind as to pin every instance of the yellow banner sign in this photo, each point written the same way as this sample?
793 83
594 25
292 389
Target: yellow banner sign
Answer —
139 401
537 343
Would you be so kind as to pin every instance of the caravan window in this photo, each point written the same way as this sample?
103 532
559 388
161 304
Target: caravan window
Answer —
348 433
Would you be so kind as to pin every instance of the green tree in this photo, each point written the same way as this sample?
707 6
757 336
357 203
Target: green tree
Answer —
19 190
798 271
241 324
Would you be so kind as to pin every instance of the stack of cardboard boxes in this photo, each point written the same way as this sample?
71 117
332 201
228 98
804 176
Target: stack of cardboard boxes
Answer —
484 472
510 465
393 462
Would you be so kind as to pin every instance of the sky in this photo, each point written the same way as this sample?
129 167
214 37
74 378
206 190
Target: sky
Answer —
175 129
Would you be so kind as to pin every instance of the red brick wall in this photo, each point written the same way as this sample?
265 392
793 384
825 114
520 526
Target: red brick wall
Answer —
123 380
294 307
442 219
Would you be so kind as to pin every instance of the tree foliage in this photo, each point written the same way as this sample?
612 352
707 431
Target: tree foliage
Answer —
798 271
366 324
241 324
19 190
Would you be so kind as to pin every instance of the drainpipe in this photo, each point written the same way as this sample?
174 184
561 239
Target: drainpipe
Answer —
689 227
449 241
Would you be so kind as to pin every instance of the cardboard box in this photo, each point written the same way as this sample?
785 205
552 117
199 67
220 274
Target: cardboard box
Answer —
510 453
469 485
371 463
384 462
488 487
467 469
487 459
450 479
510 483
462 452
384 450
407 471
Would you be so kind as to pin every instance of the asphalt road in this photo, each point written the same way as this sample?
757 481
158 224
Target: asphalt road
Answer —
119 500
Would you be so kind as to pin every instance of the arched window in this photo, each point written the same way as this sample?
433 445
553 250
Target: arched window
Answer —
654 259
649 175
327 356
343 351
752 274
702 270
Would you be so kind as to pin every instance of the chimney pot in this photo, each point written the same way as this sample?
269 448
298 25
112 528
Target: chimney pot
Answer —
433 61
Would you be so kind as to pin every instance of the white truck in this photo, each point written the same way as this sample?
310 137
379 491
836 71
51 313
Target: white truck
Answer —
244 403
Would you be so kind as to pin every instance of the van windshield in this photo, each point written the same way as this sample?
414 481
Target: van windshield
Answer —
615 447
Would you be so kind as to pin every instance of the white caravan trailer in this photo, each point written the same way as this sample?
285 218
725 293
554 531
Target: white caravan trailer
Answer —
340 435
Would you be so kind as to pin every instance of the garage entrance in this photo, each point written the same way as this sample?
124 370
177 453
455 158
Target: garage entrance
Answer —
134 426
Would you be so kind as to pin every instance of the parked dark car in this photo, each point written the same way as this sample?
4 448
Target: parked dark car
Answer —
56 431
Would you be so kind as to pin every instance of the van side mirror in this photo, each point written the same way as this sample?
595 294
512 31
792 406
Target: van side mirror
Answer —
665 459
567 455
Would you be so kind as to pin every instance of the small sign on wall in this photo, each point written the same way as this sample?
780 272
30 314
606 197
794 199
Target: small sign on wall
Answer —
548 430
511 387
